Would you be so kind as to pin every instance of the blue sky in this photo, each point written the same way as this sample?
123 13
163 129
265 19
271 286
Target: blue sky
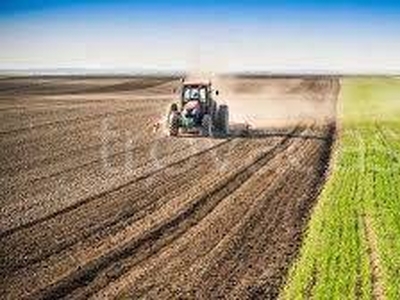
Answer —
230 35
18 6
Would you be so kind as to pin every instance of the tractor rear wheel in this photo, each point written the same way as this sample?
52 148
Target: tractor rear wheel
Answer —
223 119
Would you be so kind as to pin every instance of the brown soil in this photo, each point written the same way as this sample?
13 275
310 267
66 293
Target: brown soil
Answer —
95 204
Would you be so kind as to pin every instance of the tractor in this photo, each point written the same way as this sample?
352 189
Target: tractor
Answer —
197 113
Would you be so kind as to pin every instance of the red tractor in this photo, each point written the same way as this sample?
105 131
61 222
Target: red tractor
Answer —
198 113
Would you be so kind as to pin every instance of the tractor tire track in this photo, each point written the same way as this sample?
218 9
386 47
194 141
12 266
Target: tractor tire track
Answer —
187 168
275 181
94 197
177 223
152 199
153 287
273 207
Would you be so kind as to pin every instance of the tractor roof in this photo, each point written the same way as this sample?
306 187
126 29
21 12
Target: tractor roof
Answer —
196 83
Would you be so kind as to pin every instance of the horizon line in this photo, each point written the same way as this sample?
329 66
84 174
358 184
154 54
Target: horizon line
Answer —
71 71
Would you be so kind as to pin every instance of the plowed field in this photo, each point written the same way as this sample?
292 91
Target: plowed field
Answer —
95 204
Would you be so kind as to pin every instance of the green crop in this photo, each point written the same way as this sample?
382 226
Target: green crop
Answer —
351 249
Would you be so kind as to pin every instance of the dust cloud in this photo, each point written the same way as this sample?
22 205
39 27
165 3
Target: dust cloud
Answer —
272 102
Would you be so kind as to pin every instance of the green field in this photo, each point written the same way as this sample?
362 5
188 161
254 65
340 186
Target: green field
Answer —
352 245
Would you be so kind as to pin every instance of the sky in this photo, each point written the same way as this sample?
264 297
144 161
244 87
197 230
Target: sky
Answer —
228 35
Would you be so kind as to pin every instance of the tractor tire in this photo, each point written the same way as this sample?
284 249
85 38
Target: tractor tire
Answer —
214 112
173 123
207 125
223 119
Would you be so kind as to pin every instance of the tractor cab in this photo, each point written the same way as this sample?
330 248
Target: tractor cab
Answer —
199 93
195 92
195 103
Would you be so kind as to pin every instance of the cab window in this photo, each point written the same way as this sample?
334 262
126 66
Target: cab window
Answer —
194 93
